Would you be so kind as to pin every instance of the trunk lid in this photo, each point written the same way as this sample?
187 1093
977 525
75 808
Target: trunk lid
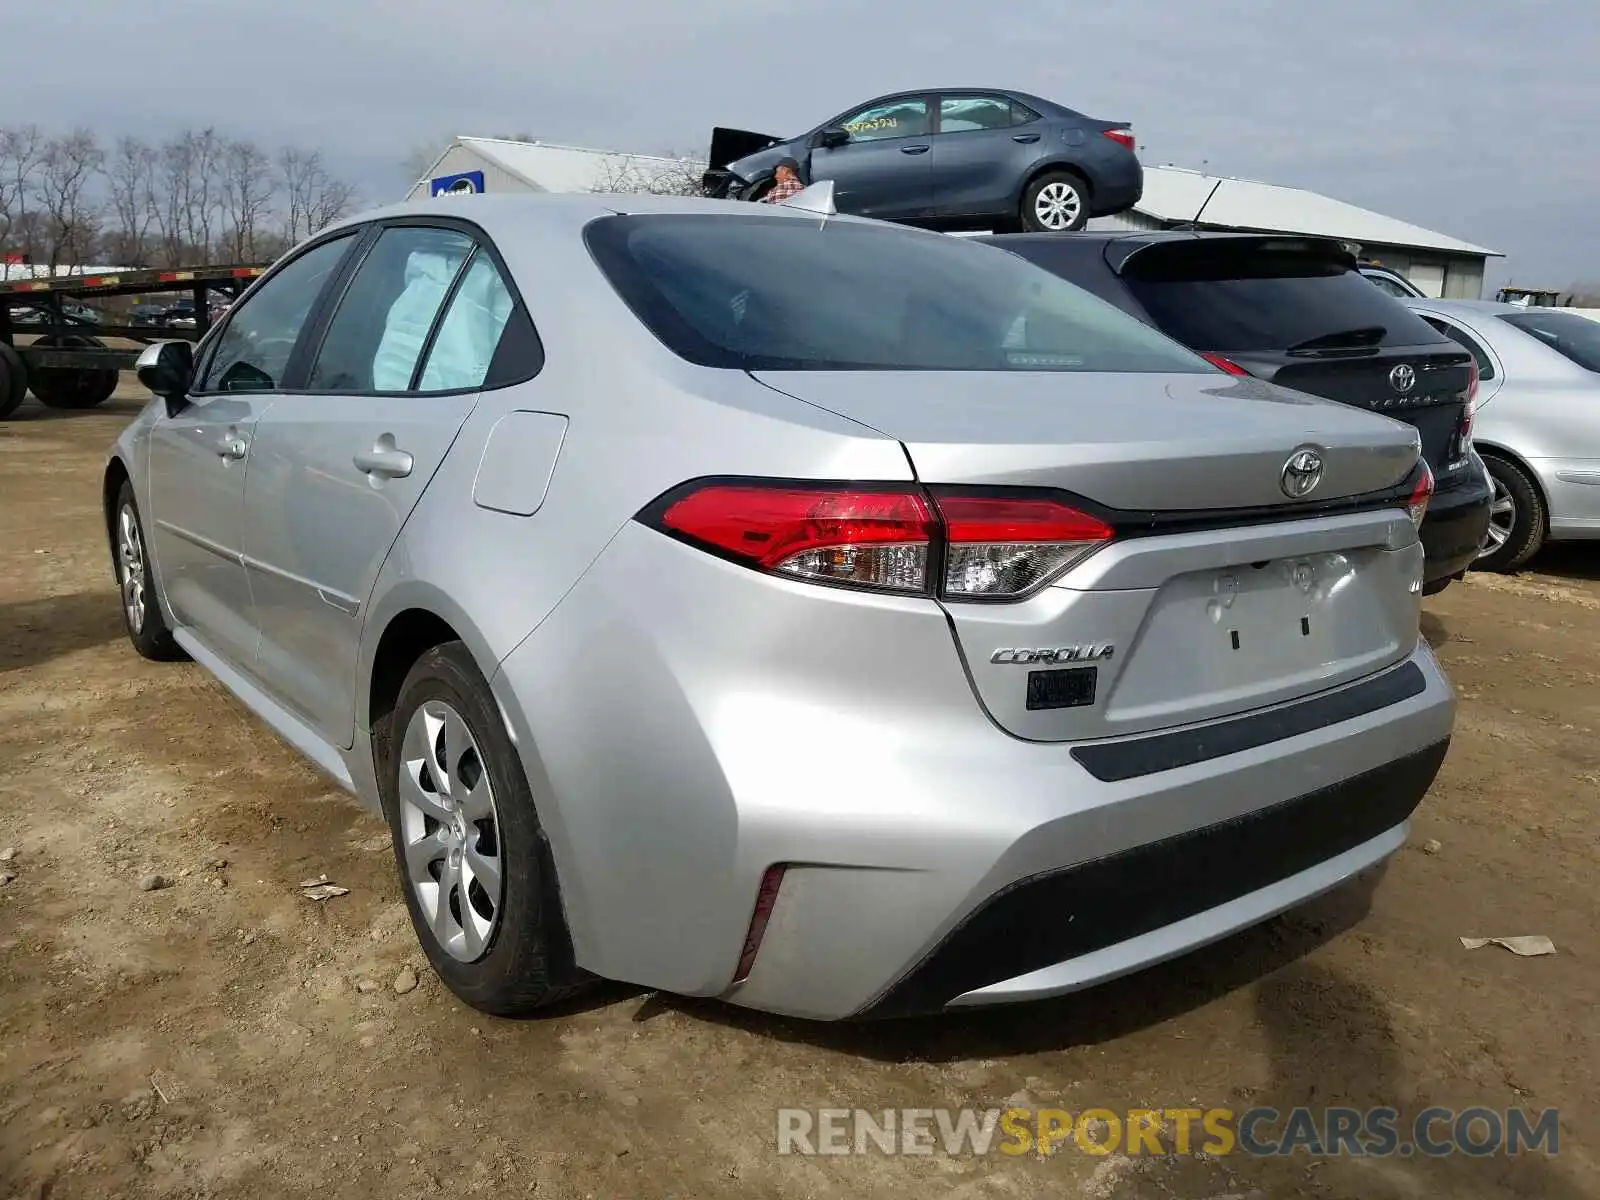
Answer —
1180 618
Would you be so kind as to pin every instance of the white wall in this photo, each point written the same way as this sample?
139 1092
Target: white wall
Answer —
460 159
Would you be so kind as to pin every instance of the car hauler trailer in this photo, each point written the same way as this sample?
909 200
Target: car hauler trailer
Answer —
67 364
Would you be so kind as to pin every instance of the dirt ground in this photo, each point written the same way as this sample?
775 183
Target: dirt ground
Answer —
224 1037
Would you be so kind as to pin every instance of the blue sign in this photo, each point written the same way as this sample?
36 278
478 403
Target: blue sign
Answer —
466 184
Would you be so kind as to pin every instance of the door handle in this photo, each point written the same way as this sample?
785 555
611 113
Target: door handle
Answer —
1024 137
384 460
913 149
232 447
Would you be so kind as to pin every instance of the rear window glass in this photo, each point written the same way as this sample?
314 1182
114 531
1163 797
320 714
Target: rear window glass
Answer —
1578 338
1268 302
779 293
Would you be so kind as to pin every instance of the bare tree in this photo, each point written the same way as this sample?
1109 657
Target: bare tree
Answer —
629 173
203 189
248 189
71 163
131 179
312 198
21 157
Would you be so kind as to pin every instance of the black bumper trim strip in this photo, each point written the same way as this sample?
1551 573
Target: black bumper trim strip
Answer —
1130 758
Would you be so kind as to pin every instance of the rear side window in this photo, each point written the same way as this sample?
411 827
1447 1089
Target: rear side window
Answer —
1269 302
1574 337
784 293
470 333
377 335
961 114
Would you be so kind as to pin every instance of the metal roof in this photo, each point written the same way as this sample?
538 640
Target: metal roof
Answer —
555 168
1179 194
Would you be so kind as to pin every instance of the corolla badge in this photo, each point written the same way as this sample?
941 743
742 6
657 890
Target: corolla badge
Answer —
1055 654
1301 473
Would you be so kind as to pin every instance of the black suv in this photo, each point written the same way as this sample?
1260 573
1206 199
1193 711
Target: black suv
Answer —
1296 311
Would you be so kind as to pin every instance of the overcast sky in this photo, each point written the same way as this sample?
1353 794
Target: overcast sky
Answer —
1477 119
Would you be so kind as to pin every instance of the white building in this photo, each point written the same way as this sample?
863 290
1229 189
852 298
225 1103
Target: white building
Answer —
497 165
1438 264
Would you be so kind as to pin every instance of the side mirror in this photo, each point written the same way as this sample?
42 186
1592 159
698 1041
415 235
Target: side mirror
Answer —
831 139
167 369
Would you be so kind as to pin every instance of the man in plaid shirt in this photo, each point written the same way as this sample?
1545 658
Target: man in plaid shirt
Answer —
787 175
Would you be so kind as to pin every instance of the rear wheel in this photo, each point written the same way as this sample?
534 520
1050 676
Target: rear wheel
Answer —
13 380
72 387
1516 518
475 865
1056 202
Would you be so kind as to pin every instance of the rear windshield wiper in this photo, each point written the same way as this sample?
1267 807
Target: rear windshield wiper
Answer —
1364 335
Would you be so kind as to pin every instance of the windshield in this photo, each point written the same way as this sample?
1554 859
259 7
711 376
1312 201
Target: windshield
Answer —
1568 334
776 293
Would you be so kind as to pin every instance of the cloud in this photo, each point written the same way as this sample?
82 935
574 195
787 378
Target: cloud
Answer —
1476 120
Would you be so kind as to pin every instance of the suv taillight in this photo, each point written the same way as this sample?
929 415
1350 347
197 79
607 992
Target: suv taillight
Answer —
1417 506
1122 137
966 544
1469 410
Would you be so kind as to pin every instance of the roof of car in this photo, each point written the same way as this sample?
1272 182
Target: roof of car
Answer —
1468 307
564 209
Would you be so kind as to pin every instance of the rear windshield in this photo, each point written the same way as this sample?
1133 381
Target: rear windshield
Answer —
1269 303
781 293
1566 333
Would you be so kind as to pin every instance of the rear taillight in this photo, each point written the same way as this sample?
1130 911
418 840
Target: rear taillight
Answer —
1417 506
866 537
976 545
996 546
1226 364
1122 137
1469 410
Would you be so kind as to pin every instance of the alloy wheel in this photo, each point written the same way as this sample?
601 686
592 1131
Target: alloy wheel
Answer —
1502 518
131 567
451 831
1057 205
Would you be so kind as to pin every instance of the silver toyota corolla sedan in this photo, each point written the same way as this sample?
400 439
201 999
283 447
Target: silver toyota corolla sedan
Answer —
732 601
1537 423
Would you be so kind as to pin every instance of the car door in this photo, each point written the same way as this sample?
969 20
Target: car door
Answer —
342 458
983 145
882 171
200 458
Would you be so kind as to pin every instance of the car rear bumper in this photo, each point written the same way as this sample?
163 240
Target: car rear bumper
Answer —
1121 876
687 725
1117 186
1457 519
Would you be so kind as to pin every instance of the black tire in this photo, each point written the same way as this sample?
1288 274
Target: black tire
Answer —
145 625
72 387
526 962
1524 532
1050 184
13 381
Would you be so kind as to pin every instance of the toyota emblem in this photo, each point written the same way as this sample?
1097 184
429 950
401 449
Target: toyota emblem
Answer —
1301 473
1403 378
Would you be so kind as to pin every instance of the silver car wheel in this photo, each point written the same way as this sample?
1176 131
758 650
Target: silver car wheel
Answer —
1057 205
1502 518
130 567
450 830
